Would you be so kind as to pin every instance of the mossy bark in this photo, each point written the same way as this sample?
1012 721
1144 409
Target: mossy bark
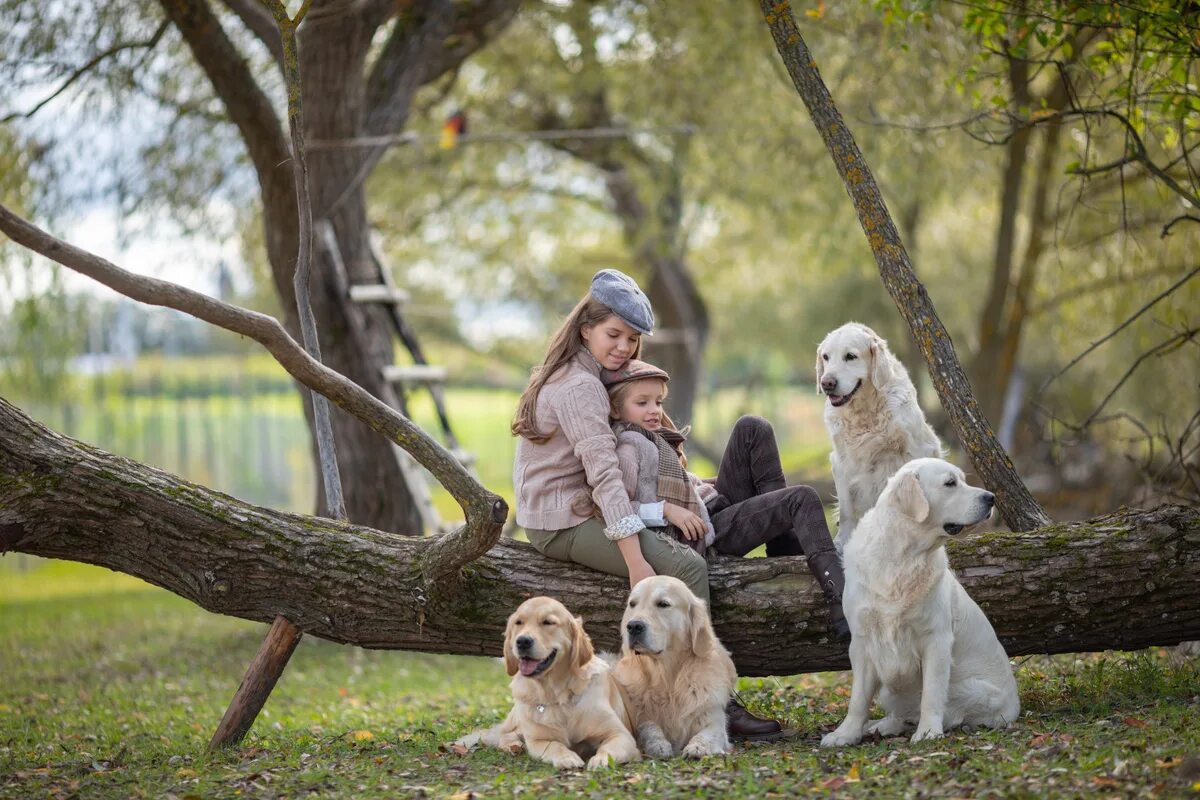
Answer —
1127 580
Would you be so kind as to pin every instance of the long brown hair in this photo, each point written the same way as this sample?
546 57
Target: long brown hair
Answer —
564 345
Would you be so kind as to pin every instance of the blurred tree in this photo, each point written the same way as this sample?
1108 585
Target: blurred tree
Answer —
362 63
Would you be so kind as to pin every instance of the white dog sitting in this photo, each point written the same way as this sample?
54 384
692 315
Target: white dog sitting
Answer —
919 640
872 417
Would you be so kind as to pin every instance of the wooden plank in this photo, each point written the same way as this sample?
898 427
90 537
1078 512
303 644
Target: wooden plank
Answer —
378 293
414 373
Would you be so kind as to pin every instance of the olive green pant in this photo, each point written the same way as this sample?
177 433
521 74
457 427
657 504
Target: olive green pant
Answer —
586 544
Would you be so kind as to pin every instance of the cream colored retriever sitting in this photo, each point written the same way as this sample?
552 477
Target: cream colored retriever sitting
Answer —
565 700
918 639
676 673
872 418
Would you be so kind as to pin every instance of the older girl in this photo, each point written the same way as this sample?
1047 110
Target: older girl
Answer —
566 462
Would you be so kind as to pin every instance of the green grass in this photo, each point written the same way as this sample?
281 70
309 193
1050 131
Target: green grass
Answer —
111 688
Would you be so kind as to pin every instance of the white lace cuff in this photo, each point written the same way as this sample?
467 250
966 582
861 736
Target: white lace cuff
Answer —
625 527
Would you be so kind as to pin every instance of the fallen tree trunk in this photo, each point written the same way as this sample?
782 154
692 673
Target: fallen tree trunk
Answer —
1127 580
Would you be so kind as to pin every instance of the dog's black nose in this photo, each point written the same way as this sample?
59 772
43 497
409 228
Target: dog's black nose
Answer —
989 499
636 627
829 384
524 643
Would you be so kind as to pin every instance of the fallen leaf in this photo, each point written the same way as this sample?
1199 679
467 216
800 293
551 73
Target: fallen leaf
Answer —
1168 763
456 748
834 783
185 772
362 736
1100 780
1135 722
852 775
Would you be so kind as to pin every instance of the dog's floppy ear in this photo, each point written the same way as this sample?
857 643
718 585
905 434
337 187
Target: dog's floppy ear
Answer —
819 368
510 660
910 497
581 645
881 362
702 630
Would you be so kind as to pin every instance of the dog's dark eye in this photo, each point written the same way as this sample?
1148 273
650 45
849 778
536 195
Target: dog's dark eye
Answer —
549 622
633 603
826 356
518 622
951 482
850 356
663 604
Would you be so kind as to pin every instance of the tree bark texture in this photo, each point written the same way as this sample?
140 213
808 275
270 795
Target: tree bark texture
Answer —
1126 580
345 96
1018 507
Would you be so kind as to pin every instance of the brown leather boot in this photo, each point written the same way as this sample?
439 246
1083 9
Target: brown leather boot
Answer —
744 725
826 567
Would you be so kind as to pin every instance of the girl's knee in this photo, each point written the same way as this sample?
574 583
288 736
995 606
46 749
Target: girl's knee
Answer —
753 425
801 496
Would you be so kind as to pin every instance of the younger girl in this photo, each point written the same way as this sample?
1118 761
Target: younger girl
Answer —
748 506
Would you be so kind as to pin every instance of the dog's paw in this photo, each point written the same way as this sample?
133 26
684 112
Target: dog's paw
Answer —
601 761
461 746
653 743
657 748
841 738
569 761
924 734
701 748
888 726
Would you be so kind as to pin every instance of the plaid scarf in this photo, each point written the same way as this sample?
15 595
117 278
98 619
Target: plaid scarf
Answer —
673 483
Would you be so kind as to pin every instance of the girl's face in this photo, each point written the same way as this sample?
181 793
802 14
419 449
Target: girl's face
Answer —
644 402
611 341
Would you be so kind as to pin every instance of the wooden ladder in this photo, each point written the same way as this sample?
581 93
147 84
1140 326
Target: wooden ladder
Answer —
403 379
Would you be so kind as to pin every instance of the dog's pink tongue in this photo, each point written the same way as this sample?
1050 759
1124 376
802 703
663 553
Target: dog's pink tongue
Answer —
528 665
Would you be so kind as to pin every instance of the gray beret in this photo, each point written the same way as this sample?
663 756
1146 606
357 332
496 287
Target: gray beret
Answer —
619 292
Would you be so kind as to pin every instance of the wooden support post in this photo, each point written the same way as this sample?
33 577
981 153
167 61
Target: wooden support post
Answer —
261 677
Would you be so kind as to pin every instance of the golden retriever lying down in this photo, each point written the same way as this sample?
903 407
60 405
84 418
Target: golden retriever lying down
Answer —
676 673
565 700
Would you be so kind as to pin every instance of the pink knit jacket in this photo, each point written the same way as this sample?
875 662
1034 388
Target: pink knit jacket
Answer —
556 482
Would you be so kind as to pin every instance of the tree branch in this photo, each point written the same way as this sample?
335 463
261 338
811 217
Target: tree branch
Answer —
1166 231
1020 510
351 584
420 49
148 44
249 108
485 512
1165 293
259 22
1178 340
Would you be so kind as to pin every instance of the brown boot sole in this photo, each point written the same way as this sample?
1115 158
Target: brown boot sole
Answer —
758 738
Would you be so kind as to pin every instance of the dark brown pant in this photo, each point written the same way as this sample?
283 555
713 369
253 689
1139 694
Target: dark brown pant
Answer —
755 506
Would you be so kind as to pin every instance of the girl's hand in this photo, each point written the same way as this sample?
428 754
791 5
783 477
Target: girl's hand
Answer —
639 572
688 523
